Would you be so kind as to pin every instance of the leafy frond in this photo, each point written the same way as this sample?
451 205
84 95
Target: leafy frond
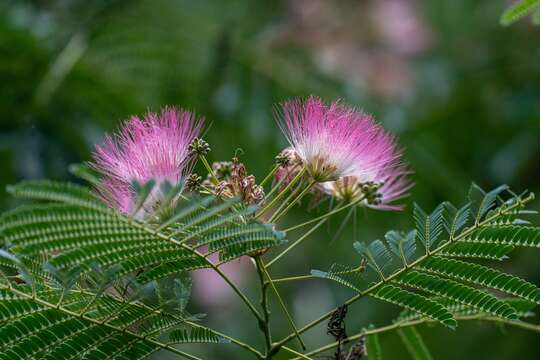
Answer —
417 303
374 347
195 335
518 10
66 193
457 292
345 275
514 235
377 255
442 278
477 251
100 272
482 276
402 245
414 343
429 228
523 309
455 219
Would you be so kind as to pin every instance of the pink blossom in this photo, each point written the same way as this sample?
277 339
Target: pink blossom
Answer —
336 140
155 147
386 187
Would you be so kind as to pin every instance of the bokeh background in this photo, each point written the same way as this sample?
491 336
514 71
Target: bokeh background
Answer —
461 92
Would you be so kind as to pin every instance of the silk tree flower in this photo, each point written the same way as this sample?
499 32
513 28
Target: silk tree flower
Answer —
380 193
335 141
155 147
289 165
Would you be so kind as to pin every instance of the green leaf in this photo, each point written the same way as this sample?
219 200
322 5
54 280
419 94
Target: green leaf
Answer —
86 172
345 275
477 251
428 227
171 268
377 255
518 10
66 193
536 18
263 235
417 303
457 292
196 335
455 219
414 343
245 248
482 276
514 235
401 244
374 347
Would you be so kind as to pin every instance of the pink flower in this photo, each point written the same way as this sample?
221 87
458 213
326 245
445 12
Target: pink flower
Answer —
335 140
155 147
386 187
351 156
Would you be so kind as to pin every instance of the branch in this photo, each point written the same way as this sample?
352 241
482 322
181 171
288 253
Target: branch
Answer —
260 264
465 233
98 322
398 325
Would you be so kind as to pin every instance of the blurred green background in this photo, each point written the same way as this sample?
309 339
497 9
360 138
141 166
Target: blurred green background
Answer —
461 92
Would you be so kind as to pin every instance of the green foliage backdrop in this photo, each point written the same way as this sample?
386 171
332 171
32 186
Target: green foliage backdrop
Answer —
466 108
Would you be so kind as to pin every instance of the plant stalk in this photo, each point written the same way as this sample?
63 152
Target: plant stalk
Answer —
282 193
296 243
374 287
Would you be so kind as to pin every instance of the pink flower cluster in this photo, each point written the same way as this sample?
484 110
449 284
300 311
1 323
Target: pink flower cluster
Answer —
337 142
155 147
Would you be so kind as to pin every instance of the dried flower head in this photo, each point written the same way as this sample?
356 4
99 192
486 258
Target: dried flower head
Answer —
234 181
336 140
155 147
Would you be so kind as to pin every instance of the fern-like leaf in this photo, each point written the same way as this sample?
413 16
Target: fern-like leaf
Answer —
457 292
428 227
514 235
414 343
417 303
374 347
477 251
195 335
518 10
482 276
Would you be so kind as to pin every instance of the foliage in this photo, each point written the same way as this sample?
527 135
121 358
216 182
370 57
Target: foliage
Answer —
422 272
108 284
521 9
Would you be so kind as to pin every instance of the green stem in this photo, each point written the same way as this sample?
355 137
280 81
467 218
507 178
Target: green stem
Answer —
209 169
399 325
294 278
374 287
283 192
296 243
294 352
335 211
291 196
260 263
274 189
231 339
264 325
100 323
153 311
270 175
278 215
201 256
